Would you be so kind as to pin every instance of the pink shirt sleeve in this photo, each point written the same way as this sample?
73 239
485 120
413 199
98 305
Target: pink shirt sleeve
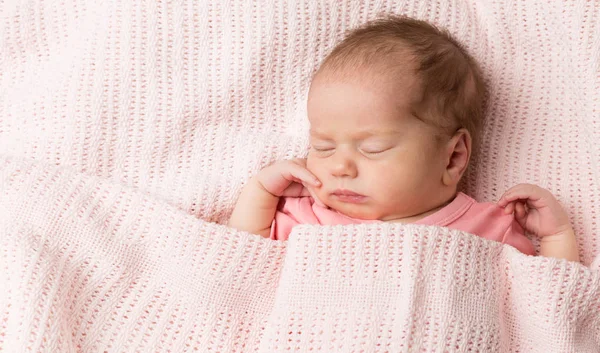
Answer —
486 220
489 221
515 236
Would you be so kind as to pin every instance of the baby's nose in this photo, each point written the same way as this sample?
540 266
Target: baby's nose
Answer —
344 166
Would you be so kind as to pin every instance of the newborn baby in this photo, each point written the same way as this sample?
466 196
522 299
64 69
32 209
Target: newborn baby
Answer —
395 111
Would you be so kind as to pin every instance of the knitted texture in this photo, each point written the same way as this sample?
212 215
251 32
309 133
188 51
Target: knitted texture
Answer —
128 128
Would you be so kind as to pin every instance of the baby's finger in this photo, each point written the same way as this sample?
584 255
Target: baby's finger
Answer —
520 212
305 192
313 194
509 208
519 192
302 175
294 190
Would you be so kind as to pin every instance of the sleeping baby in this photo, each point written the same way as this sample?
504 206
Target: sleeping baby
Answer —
395 111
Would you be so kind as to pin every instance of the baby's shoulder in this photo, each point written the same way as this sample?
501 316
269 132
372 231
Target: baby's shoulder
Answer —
488 211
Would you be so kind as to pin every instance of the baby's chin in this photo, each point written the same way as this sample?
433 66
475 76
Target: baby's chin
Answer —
360 211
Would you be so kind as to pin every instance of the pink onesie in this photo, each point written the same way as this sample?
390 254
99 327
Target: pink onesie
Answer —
486 220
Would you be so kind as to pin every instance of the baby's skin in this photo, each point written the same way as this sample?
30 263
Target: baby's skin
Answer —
367 161
393 112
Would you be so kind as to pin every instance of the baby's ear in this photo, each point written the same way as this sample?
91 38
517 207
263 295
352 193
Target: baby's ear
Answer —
458 153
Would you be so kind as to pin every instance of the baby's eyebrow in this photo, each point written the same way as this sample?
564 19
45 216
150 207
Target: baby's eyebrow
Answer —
317 133
371 133
363 134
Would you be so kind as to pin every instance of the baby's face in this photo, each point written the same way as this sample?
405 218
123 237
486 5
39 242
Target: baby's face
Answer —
374 158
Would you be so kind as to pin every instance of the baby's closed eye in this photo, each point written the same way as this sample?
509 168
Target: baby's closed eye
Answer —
375 148
322 148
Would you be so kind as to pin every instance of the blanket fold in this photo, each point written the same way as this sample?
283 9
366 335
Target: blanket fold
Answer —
90 265
128 129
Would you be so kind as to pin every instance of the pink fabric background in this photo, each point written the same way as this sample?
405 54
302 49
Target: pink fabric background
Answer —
128 128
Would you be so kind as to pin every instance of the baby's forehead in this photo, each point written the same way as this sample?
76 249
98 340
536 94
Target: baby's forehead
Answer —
373 130
400 86
360 125
382 68
368 103
366 91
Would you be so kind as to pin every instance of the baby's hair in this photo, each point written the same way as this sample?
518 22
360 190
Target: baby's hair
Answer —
453 92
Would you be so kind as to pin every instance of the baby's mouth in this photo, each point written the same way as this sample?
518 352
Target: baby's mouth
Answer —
348 196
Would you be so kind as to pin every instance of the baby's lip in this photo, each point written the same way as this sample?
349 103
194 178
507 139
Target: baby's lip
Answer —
344 192
348 196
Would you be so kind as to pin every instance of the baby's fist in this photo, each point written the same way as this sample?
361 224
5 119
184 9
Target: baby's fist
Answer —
536 210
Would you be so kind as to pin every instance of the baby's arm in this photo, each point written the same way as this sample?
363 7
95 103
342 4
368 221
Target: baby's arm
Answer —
539 213
257 204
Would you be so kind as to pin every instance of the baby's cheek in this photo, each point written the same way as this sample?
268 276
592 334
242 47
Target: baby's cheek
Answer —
315 167
310 163
388 182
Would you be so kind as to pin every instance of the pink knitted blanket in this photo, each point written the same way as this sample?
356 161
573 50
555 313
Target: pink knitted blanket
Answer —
127 129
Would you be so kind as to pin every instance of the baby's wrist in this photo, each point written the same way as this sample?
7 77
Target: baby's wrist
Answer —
561 245
560 233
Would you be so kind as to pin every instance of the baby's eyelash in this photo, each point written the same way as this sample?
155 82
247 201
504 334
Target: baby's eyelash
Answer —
375 150
323 149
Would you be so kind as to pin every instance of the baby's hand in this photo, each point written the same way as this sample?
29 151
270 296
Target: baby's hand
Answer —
257 204
536 210
287 178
